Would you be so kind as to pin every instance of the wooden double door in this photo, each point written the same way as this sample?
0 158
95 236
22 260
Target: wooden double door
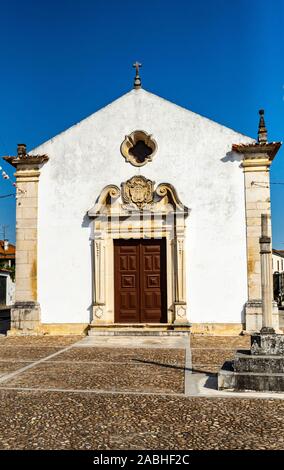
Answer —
140 281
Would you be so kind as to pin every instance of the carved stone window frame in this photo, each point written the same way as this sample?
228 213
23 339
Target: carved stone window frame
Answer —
131 140
114 219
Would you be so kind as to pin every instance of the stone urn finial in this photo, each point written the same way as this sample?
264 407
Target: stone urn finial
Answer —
262 131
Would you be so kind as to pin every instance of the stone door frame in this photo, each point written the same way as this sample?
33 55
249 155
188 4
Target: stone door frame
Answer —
165 218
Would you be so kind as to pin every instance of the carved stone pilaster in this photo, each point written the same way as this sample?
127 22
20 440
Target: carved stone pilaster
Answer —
180 312
180 278
179 281
98 313
99 280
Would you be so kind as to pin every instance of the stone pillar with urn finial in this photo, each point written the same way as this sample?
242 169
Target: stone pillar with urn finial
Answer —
261 368
256 160
25 314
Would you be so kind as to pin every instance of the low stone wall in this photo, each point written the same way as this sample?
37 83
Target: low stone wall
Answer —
218 329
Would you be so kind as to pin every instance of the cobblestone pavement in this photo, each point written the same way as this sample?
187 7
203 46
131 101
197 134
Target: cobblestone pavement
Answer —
59 395
133 356
113 377
209 353
42 341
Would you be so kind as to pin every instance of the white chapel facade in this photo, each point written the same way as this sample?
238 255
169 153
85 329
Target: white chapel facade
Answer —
143 214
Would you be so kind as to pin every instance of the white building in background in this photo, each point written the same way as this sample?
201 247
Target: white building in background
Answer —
278 261
7 289
144 213
7 273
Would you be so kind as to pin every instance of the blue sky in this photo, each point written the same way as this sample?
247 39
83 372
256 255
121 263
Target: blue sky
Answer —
62 60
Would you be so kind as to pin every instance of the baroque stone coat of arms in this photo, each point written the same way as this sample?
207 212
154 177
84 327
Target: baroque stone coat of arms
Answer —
138 190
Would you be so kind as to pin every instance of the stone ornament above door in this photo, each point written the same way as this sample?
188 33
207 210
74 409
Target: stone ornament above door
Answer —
138 148
138 194
138 191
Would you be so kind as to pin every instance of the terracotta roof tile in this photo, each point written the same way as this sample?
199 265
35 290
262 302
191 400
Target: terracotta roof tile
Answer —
10 253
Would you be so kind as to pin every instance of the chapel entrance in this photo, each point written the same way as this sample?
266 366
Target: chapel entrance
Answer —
140 281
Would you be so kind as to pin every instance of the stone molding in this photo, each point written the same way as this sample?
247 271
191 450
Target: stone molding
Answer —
137 194
27 162
257 150
137 137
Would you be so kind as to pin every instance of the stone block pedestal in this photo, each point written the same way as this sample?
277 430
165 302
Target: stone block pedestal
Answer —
254 317
269 344
25 319
259 369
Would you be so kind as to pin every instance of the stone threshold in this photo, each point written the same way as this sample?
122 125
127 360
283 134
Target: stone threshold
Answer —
129 329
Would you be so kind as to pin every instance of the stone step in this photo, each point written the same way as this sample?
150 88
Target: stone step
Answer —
134 332
258 364
140 329
259 382
250 381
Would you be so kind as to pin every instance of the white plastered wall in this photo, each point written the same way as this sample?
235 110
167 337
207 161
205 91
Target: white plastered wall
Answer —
193 155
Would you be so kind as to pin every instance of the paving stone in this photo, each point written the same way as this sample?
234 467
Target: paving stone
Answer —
234 342
9 366
76 420
156 356
135 341
51 420
210 353
143 378
26 352
211 356
40 341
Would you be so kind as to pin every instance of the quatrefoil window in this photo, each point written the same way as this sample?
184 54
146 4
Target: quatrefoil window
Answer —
138 148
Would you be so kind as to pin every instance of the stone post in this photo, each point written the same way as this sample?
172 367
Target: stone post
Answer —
25 315
257 158
266 277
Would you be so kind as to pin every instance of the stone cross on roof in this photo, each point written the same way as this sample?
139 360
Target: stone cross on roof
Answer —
137 80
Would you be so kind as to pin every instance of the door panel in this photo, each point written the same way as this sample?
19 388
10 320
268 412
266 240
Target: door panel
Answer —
152 281
126 272
140 281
